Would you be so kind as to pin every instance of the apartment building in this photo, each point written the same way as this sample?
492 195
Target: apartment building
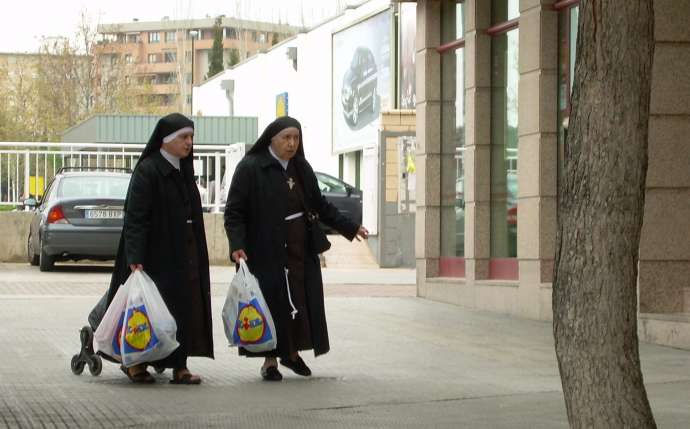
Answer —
173 55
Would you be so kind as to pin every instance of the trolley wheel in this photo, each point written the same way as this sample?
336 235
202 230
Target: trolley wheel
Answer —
86 336
77 365
95 365
159 369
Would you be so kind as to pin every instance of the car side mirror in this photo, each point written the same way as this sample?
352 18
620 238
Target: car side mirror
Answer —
349 190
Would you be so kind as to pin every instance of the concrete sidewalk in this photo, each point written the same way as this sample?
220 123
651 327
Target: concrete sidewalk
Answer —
395 361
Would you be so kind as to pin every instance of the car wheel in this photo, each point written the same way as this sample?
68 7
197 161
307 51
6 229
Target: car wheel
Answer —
45 261
355 109
31 255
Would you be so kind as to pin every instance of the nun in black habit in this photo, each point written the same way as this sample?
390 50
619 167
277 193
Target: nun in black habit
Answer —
163 234
272 190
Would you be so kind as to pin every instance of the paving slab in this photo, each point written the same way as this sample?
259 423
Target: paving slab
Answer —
395 361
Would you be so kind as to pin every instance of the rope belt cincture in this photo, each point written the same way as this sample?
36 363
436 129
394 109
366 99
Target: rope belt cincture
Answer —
294 216
293 313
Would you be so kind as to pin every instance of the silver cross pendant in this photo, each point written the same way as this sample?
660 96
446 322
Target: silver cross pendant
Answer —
290 183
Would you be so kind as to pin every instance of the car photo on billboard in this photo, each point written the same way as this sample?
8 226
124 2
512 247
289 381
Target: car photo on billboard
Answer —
362 81
359 88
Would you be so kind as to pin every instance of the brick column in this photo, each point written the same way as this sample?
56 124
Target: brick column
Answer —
537 155
427 219
664 276
477 139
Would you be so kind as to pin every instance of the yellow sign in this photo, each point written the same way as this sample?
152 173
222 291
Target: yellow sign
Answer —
36 185
281 104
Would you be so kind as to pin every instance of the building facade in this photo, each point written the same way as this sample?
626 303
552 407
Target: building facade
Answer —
173 55
494 81
356 58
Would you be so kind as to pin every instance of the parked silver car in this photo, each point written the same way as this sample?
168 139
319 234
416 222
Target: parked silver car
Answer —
80 216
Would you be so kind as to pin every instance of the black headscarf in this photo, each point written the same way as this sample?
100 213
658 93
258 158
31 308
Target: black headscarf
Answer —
166 126
274 128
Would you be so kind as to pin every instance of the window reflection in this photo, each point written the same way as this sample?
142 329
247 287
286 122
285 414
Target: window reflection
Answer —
567 22
452 135
504 144
504 10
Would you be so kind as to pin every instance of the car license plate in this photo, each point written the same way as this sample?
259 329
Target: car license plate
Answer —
103 214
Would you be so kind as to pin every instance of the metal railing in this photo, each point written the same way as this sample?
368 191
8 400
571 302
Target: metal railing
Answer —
27 168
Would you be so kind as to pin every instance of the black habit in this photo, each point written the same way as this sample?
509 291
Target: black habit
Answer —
262 194
157 233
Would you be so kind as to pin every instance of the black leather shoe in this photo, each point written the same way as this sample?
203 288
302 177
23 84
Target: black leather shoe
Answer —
271 373
297 366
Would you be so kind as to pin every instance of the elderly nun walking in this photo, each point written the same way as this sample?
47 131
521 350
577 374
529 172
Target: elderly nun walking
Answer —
272 190
163 234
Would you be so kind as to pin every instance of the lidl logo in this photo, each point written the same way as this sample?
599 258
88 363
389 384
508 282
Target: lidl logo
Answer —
251 324
138 333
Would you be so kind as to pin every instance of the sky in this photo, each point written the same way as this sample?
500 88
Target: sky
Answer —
25 22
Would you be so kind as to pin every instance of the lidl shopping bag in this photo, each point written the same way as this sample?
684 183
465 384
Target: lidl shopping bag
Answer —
148 329
246 318
106 339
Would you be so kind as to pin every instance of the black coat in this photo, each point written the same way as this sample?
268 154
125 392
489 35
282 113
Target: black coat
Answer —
153 235
255 221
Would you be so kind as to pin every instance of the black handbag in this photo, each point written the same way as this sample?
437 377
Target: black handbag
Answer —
316 238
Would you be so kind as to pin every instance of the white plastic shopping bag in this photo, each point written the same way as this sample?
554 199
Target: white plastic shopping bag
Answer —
246 318
106 339
148 329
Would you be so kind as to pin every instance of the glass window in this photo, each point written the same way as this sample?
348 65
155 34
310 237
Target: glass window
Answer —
504 144
170 57
129 59
407 76
504 10
453 26
230 33
93 187
452 134
153 58
330 184
568 21
170 36
154 37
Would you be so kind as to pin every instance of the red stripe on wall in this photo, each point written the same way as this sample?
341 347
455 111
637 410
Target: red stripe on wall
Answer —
451 267
504 269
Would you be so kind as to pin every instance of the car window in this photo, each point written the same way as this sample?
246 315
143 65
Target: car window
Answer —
49 192
93 187
331 184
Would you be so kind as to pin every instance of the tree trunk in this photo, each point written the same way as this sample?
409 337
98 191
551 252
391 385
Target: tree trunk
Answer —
600 211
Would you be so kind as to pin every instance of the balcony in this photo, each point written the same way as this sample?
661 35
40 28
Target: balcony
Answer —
165 88
152 68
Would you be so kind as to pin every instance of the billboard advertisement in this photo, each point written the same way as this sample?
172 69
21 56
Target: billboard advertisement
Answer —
362 81
408 32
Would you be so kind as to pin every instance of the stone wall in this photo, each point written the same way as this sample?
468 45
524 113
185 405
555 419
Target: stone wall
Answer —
14 227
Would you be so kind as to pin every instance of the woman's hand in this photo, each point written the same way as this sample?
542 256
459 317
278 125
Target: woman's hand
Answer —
239 254
362 232
135 267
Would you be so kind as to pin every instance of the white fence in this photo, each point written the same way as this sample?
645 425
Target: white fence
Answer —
27 168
